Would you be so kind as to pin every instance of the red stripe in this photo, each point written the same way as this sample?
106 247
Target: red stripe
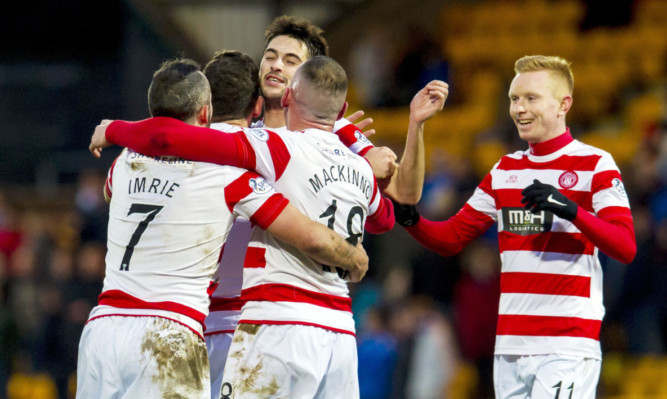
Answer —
565 243
346 134
545 283
219 304
269 211
119 299
238 189
246 152
615 212
375 189
300 323
254 258
364 150
603 180
208 334
108 184
548 326
279 153
288 293
586 163
146 315
486 185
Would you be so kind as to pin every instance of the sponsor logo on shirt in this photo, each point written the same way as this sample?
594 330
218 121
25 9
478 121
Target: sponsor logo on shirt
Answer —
134 159
336 151
259 185
568 179
521 221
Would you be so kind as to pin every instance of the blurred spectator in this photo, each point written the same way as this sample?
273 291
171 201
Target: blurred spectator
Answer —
10 235
9 337
377 353
428 355
476 298
371 66
91 206
421 62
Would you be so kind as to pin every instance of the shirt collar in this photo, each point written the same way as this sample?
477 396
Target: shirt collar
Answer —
551 146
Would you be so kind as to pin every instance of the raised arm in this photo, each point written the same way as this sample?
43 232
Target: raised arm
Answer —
407 183
319 242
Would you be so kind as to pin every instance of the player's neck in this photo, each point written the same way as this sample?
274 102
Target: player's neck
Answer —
236 122
309 123
274 117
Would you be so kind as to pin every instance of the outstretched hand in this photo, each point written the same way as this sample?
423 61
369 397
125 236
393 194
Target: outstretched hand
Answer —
99 140
362 124
544 197
428 101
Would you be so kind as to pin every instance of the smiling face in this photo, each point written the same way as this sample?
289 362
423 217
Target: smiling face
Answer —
282 57
538 105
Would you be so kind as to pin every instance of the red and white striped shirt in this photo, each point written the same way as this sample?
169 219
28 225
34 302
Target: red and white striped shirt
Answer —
168 219
551 280
319 175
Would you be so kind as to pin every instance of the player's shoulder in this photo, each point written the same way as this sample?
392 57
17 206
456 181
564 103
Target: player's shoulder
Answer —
582 149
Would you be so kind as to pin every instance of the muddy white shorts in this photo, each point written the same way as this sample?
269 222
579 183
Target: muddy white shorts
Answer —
218 347
141 357
290 361
545 377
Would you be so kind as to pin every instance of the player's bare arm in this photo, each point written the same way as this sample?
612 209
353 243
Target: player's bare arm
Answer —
319 242
407 183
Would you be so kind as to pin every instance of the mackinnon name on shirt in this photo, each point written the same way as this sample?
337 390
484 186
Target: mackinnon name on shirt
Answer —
344 174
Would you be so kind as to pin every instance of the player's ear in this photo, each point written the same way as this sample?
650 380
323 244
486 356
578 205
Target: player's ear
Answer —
565 104
259 106
341 114
286 98
204 115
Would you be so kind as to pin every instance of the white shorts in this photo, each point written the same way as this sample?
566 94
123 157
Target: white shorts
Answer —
218 347
141 357
545 377
290 361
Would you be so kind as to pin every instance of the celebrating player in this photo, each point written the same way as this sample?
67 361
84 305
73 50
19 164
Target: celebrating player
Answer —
291 41
313 169
556 204
168 220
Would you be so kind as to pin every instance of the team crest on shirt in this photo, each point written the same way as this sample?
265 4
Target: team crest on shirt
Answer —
568 179
261 134
618 187
523 222
259 185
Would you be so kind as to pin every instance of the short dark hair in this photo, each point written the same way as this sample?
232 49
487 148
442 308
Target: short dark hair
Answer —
234 80
329 80
300 29
325 74
177 90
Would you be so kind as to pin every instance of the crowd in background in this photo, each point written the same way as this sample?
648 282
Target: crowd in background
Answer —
423 321
420 317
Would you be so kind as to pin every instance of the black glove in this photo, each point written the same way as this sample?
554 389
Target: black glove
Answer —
406 215
543 197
